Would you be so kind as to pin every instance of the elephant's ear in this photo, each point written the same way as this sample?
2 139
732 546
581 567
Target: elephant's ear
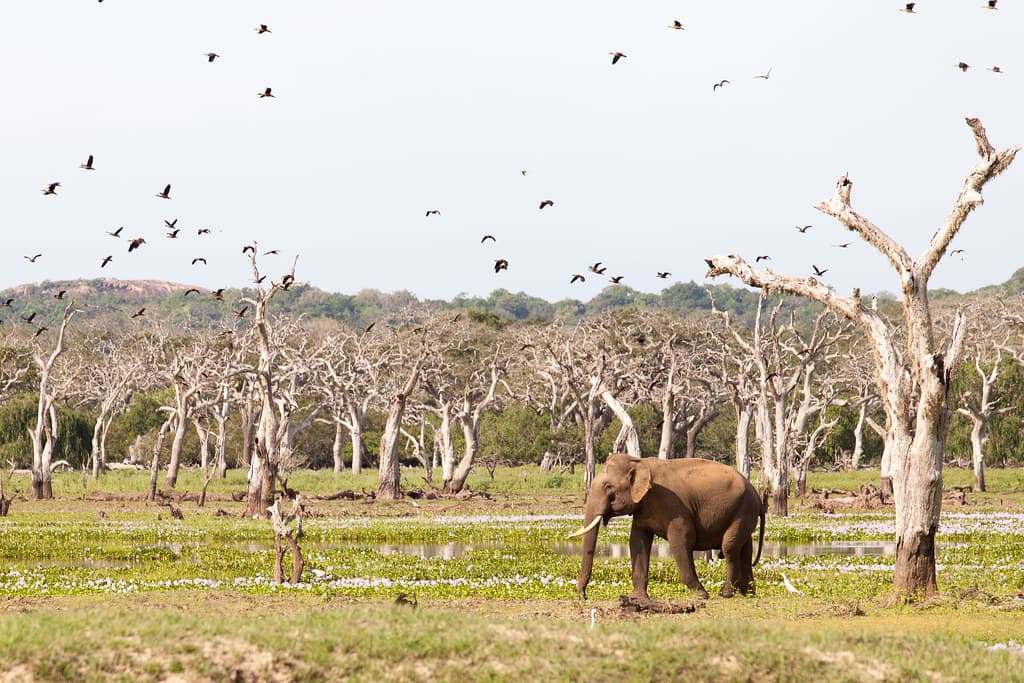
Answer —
640 481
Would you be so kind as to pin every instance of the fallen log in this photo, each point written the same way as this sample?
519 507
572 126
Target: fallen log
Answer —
631 604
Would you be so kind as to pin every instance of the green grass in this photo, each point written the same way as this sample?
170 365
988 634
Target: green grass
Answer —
136 595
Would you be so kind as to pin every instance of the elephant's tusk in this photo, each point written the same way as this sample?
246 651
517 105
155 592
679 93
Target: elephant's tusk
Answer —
583 530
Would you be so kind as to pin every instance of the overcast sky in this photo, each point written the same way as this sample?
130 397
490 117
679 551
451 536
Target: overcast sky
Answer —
384 110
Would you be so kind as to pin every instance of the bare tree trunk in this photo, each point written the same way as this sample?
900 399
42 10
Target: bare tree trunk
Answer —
248 411
389 475
858 437
154 466
220 452
336 447
743 439
979 435
696 428
631 438
180 428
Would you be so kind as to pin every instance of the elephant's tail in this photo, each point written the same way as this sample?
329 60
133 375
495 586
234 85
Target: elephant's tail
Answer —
760 538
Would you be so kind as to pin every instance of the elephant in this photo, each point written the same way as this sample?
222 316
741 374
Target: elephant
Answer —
694 504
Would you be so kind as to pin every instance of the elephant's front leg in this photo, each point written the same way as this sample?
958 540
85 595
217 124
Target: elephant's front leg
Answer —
681 539
640 541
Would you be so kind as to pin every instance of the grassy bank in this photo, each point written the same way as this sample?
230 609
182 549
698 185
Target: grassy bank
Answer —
96 587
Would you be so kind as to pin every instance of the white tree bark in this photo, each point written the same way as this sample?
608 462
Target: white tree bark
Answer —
917 429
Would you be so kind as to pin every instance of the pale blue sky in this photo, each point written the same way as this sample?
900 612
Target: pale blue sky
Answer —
386 109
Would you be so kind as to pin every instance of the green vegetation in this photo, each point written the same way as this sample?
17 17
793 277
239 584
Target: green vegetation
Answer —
98 585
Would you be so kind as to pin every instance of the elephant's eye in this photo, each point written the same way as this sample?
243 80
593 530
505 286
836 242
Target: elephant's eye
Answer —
607 486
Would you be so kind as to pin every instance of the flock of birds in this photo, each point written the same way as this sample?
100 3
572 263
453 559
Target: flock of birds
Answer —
499 264
171 226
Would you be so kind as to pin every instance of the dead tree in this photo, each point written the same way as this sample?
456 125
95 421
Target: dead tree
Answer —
913 382
389 474
46 431
980 412
263 467
784 363
289 536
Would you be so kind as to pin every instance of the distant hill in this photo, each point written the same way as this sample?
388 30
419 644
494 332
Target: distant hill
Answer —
109 302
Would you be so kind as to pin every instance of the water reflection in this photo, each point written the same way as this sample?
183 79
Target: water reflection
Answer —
662 550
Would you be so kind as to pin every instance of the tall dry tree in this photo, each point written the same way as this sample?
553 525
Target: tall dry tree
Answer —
913 381
267 454
45 433
402 380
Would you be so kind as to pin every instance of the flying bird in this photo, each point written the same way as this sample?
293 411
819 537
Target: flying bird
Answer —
844 245
173 234
500 265
677 25
956 251
116 233
198 259
765 75
803 229
616 56
663 274
762 258
433 212
60 295
596 268
523 171
29 318
369 327
166 194
995 69
170 225
616 279
991 4
265 93
135 244
42 328
487 237
32 259
51 188
8 302
963 66
241 313
203 231
106 260
218 294
819 271
210 56
88 164
577 277
272 252
546 202
909 8
190 290
262 28
718 85
249 247
139 313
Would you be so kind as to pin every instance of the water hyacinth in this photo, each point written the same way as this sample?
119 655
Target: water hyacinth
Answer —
507 556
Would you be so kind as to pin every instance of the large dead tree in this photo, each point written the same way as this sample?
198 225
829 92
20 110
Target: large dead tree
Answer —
45 433
267 454
914 381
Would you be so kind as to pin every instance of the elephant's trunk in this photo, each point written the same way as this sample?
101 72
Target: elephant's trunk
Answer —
592 519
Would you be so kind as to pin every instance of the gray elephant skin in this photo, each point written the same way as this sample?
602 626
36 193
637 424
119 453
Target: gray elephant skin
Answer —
694 504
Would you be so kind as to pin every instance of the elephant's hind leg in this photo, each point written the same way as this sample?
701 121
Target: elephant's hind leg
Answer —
736 547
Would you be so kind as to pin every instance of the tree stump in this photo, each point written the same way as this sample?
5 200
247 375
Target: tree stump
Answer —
289 536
